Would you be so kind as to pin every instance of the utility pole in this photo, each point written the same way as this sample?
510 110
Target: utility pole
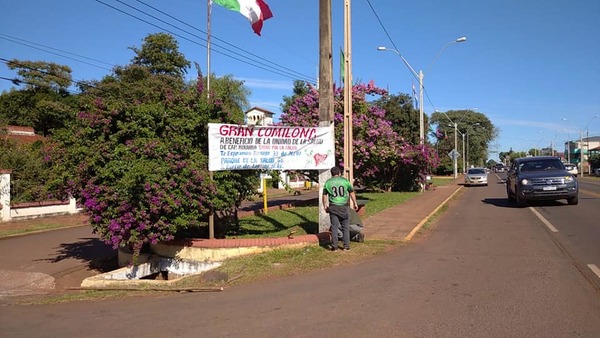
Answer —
325 94
348 135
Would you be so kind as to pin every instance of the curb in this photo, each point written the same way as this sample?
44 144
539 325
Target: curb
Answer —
426 219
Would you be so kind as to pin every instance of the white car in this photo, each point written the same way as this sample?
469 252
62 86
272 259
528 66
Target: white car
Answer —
571 168
476 176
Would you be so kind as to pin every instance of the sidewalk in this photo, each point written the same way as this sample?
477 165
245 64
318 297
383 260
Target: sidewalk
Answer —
402 221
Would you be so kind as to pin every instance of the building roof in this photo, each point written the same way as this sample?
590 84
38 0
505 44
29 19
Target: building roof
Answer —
19 134
262 110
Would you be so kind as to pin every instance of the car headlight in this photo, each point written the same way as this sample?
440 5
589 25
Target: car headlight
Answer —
569 179
524 181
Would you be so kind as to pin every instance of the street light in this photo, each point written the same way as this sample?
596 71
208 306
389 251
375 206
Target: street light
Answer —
454 163
420 76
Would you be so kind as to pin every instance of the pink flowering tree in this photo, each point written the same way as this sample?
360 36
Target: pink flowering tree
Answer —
136 157
382 159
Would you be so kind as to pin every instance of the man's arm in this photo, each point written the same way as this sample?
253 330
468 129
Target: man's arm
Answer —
353 198
325 201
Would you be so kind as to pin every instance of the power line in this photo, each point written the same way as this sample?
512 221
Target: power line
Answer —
254 63
33 45
218 39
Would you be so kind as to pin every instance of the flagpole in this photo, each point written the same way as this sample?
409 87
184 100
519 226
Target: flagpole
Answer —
211 215
208 14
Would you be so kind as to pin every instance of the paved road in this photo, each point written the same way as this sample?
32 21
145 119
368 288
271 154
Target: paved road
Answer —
486 270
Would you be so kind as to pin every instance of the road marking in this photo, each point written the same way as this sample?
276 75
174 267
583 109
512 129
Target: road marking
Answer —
543 219
594 269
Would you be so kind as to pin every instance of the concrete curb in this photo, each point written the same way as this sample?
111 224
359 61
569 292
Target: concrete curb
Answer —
426 219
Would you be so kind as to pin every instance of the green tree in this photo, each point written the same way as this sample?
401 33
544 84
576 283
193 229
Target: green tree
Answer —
40 75
477 128
160 53
28 173
136 157
405 119
44 102
382 159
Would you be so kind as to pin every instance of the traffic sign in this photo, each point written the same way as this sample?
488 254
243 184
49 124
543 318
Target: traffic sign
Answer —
454 154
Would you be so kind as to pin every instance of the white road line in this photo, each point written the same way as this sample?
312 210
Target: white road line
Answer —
594 269
544 220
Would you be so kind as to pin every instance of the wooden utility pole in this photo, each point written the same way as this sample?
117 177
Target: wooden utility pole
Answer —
348 135
325 94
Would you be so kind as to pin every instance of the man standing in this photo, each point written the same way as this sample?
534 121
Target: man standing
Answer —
336 194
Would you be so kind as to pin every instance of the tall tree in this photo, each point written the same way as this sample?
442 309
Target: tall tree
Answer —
382 159
477 128
405 119
160 53
40 75
44 102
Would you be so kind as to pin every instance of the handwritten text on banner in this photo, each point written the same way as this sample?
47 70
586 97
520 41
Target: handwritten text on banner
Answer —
240 147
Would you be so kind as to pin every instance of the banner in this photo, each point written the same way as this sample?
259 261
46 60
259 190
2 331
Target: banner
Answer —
243 147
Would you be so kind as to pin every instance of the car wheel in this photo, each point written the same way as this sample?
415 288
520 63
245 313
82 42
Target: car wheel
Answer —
573 200
508 194
518 200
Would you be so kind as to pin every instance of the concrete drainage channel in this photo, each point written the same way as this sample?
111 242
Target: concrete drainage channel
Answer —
170 262
154 273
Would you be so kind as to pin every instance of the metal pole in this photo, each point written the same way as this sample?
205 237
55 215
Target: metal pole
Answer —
568 148
454 152
464 157
581 153
211 215
421 116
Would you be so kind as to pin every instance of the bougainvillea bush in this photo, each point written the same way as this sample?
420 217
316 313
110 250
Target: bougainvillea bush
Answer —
382 158
136 158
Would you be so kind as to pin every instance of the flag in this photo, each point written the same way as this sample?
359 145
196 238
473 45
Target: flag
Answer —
256 11
415 96
342 66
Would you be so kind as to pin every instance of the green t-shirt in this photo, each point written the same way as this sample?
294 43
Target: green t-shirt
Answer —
338 190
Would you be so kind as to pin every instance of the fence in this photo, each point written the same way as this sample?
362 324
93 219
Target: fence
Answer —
30 210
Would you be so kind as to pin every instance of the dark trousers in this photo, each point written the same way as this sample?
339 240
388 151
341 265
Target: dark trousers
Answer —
339 216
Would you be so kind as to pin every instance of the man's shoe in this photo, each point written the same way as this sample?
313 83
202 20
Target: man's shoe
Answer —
360 238
346 249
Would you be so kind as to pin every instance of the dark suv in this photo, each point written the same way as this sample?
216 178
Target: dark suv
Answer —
540 178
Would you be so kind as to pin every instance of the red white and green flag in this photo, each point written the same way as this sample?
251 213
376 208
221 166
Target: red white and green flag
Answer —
256 11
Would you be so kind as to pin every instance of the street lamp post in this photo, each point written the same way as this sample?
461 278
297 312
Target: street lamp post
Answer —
420 77
455 125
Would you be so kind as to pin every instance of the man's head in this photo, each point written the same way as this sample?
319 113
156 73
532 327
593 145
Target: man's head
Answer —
335 171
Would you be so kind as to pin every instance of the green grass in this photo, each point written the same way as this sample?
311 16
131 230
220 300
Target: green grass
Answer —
29 228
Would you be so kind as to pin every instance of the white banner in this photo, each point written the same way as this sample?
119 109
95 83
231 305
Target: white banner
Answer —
240 147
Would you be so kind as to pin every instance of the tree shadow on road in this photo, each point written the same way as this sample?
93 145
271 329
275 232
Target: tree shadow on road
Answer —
97 254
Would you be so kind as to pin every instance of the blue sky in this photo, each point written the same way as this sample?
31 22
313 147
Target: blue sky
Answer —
527 65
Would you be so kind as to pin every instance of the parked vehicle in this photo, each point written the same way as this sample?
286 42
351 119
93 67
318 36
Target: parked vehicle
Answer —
540 178
572 168
476 176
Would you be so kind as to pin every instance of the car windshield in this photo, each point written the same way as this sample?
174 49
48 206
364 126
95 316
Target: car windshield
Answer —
476 171
540 165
